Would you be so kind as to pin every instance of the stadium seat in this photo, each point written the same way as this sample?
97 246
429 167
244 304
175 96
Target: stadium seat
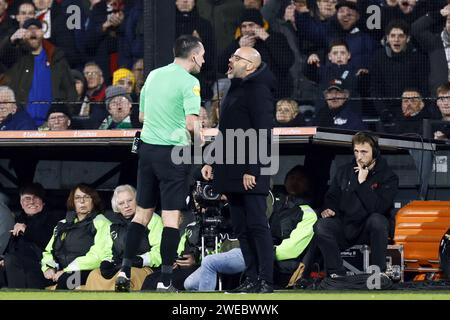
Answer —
419 228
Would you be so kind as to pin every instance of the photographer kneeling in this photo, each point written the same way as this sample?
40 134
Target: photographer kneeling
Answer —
185 263
291 225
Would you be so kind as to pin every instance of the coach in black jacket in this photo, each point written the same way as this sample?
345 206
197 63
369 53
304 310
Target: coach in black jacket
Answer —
357 206
249 104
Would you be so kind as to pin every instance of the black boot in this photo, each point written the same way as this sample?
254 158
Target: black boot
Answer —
248 286
122 283
264 287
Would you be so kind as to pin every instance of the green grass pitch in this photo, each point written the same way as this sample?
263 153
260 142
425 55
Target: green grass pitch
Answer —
280 295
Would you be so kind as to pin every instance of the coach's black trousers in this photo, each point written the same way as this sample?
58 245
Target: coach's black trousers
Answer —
329 234
248 215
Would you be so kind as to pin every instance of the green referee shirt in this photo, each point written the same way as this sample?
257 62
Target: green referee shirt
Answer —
169 94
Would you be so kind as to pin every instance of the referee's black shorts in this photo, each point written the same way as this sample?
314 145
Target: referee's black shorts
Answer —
157 172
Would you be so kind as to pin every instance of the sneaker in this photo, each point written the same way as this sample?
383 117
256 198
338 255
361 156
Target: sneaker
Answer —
265 287
160 287
337 276
248 286
122 283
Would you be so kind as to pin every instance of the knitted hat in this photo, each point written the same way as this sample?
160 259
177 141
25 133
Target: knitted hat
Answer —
116 91
252 15
58 108
123 73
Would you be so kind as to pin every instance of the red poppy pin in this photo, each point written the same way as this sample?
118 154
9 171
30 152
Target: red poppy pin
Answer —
374 186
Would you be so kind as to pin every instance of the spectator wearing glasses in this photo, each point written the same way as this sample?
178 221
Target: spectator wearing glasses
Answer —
443 103
11 117
249 105
79 243
92 109
32 230
409 117
123 203
118 104
58 119
125 78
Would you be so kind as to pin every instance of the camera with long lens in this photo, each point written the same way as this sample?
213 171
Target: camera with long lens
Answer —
209 211
204 194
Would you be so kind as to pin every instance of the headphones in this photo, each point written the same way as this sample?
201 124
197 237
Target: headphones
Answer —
374 142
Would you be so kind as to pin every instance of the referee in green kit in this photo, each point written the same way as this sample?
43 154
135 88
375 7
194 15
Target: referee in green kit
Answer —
169 107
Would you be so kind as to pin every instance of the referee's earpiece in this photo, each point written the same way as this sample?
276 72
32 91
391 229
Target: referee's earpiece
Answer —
195 61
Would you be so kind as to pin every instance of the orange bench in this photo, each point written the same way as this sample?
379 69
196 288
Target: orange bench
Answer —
419 227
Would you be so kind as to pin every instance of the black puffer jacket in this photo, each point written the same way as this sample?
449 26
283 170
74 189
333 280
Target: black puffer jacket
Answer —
38 231
73 239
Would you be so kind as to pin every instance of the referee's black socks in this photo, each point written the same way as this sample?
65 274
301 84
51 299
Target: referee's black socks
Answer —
135 233
169 244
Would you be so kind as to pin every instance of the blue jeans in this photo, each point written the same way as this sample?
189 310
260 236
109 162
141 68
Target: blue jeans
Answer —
205 277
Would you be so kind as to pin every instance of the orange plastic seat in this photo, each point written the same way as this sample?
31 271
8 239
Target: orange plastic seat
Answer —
419 227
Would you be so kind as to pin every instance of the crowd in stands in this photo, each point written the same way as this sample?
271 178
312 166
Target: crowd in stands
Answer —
332 70
82 247
49 58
